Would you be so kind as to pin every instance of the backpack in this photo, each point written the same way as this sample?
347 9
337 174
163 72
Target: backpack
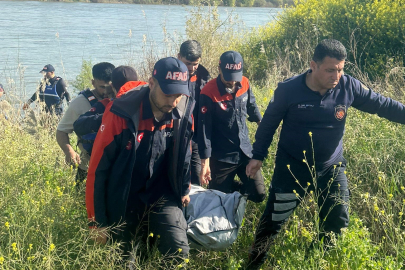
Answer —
87 140
213 218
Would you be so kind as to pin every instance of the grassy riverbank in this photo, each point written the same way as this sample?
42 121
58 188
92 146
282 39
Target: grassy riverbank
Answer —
43 217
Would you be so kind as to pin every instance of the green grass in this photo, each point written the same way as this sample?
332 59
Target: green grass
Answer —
43 217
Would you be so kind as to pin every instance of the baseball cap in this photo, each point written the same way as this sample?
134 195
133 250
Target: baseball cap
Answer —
121 75
172 76
48 68
231 64
1 88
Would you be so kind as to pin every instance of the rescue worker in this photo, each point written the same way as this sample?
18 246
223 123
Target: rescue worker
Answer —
52 90
313 107
82 103
123 79
190 54
223 140
139 173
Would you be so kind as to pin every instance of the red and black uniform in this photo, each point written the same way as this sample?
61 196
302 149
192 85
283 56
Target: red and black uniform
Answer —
131 169
223 136
195 84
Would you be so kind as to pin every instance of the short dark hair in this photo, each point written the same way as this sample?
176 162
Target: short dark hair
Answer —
191 50
329 47
102 71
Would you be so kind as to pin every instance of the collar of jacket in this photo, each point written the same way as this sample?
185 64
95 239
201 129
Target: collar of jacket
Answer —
221 86
202 73
127 106
128 86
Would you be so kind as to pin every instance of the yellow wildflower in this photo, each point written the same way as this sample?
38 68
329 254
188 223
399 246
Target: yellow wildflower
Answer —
288 166
390 196
51 247
310 134
14 246
151 234
308 183
1 260
180 249
186 260
400 214
7 224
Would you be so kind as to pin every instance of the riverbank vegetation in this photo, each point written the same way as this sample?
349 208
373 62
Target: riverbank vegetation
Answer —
228 3
43 216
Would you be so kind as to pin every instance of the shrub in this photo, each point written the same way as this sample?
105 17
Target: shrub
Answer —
372 31
83 80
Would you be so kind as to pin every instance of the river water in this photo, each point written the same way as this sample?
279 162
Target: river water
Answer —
33 34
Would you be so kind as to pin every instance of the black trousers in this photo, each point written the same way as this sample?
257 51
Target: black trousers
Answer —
223 179
165 220
331 191
195 165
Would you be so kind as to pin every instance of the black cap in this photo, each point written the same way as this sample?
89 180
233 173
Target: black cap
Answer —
48 68
121 75
172 76
231 64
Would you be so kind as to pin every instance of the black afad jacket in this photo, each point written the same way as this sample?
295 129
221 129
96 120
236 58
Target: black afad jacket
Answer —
113 157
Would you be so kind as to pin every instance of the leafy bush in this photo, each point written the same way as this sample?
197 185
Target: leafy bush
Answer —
372 31
83 80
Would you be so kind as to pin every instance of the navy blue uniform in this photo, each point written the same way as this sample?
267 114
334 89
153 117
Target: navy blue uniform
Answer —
195 84
53 95
223 136
308 116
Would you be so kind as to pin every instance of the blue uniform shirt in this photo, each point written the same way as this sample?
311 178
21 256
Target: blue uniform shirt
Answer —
307 116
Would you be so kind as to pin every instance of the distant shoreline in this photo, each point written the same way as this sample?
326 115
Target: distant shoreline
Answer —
226 3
